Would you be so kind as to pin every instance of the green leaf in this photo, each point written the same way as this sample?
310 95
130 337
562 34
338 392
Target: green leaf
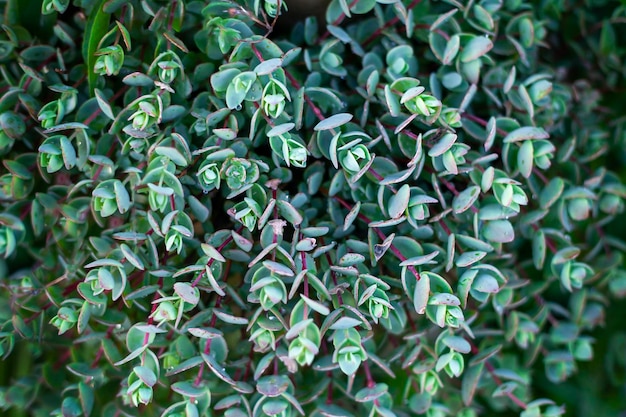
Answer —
333 122
188 389
104 104
217 369
71 407
420 260
452 48
539 249
238 89
607 38
351 259
450 251
474 243
213 253
121 197
421 294
444 144
483 17
469 258
510 80
185 365
471 377
345 323
230 319
475 48
551 192
362 6
526 133
187 293
526 101
273 386
393 102
457 343
134 354
442 18
351 216
131 257
465 199
68 152
315 305
125 35
540 90
201 333
370 394
97 27
37 214
289 212
18 169
421 402
269 66
146 375
399 202
278 268
525 157
499 231
137 79
485 283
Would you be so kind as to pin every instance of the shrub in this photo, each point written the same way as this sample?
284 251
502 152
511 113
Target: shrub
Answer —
407 210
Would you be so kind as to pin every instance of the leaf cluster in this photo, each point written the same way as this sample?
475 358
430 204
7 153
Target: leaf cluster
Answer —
412 208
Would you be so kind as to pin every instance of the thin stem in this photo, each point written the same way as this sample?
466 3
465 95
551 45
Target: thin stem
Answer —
146 337
275 237
498 381
207 345
210 262
382 236
370 381
333 275
337 21
320 116
482 122
296 85
101 166
305 283
97 111
368 375
389 24
549 243
605 245
445 227
540 175
170 18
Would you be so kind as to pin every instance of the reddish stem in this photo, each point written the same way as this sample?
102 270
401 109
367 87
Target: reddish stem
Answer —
337 21
96 112
170 18
207 345
296 85
498 381
482 122
219 249
370 381
61 360
154 307
389 24
382 236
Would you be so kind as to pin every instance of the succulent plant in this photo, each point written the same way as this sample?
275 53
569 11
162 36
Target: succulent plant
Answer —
386 208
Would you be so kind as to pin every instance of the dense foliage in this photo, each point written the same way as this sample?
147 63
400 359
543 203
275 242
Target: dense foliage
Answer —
411 209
